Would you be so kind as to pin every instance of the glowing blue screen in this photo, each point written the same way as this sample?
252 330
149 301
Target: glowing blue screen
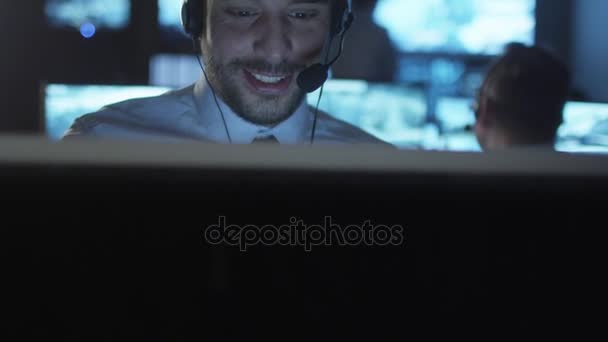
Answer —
457 26
110 14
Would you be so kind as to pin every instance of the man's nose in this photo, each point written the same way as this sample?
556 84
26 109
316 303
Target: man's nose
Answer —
273 41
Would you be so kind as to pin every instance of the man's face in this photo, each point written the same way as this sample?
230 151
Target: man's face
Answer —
254 50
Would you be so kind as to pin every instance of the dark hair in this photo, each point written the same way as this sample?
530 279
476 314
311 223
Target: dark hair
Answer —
364 4
193 16
528 88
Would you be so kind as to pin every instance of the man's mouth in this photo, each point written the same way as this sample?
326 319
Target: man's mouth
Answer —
268 83
269 79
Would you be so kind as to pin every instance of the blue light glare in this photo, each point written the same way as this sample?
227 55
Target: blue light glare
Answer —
88 30
457 26
170 13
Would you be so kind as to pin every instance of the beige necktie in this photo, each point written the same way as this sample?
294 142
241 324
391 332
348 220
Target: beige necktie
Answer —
271 139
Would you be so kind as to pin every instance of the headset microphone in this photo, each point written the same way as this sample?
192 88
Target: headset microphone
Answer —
313 77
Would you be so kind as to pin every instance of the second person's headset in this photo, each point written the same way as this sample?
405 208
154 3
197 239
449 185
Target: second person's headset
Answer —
311 78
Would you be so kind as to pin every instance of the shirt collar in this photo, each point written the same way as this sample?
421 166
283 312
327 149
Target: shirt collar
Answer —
293 130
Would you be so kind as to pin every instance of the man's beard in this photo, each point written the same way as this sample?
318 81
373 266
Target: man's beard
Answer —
268 110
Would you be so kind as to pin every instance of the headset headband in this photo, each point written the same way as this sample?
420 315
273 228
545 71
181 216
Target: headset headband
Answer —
193 17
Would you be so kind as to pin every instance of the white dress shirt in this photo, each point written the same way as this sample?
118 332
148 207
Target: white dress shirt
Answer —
294 130
191 113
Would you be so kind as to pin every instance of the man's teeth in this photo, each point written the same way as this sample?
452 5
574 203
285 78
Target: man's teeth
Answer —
268 79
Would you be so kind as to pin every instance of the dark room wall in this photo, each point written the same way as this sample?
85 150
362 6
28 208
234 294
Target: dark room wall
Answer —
590 48
554 19
119 57
21 63
34 54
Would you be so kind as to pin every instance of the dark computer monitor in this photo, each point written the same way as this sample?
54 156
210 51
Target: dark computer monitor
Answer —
475 27
107 239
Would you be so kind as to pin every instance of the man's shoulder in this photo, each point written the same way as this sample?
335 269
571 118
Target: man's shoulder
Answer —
138 114
331 128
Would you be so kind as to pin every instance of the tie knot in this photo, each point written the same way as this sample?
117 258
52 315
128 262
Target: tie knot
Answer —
271 139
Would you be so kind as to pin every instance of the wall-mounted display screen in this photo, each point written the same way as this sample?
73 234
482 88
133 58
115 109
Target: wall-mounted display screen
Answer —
480 27
100 14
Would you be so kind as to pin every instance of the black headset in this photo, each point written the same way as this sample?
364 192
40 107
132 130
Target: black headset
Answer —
312 78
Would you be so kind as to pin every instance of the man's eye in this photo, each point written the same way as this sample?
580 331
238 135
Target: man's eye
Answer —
303 15
242 13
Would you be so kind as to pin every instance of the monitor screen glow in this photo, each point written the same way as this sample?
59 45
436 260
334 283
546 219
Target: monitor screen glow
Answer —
453 116
169 14
580 118
480 27
65 103
393 113
585 128
103 14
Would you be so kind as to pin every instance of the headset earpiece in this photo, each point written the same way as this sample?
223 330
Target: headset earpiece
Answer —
193 17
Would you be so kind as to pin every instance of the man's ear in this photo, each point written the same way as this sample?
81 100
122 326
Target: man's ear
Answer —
483 122
485 113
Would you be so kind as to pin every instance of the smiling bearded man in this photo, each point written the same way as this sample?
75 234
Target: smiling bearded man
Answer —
253 52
